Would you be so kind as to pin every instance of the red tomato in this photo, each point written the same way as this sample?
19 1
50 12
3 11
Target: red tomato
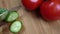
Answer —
50 10
31 4
56 0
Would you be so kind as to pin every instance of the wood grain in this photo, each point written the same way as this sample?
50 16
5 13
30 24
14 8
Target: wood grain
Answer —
31 23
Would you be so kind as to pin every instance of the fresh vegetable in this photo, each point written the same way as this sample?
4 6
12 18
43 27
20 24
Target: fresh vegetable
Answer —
3 13
16 26
13 15
31 4
50 10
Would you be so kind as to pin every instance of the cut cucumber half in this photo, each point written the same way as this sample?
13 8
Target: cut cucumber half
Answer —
13 15
16 26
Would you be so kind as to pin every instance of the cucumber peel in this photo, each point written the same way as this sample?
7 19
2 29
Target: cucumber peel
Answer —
3 13
16 26
13 15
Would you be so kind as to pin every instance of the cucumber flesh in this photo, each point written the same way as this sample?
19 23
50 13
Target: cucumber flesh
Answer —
12 16
16 26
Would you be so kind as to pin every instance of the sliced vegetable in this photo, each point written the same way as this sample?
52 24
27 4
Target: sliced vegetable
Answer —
16 26
13 15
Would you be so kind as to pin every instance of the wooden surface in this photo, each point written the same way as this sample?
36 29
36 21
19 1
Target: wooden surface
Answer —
31 23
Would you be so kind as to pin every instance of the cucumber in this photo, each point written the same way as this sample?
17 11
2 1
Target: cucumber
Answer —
3 13
13 15
16 26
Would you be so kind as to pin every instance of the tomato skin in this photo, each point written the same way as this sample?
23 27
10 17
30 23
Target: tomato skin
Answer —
50 10
31 4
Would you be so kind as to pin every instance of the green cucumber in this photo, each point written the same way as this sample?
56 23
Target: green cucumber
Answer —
3 13
13 15
16 26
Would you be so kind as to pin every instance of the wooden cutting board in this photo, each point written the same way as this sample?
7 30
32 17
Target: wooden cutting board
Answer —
31 23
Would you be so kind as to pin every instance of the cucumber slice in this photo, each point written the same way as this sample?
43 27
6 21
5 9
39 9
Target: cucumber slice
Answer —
13 15
16 26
